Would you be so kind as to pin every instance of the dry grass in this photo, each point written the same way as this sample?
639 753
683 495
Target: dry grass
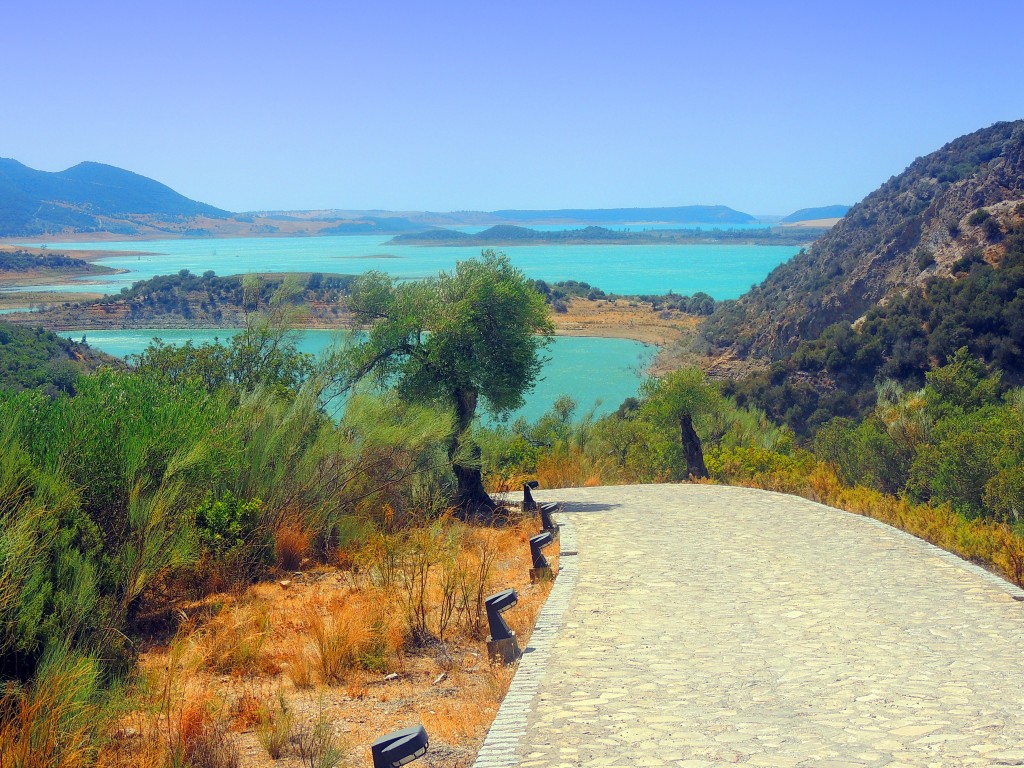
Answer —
326 661
49 723
275 728
338 638
574 468
233 641
291 546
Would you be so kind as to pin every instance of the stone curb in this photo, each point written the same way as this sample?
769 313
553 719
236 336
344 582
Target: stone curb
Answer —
499 749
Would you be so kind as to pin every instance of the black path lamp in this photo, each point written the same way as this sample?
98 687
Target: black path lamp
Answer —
529 505
502 646
400 747
545 518
541 567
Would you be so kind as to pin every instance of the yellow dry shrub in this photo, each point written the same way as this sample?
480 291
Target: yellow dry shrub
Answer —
233 641
338 636
50 722
291 546
574 468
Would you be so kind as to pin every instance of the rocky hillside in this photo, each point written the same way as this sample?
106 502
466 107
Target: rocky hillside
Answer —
950 205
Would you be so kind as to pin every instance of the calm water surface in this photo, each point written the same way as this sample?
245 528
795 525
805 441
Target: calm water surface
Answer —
723 271
571 370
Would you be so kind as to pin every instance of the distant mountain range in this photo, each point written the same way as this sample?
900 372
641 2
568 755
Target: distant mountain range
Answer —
97 199
90 197
686 214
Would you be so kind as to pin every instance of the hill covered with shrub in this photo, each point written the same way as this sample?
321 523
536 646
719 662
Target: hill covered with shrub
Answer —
33 358
918 225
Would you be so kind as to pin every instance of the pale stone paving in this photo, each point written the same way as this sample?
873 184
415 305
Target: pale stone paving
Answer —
715 626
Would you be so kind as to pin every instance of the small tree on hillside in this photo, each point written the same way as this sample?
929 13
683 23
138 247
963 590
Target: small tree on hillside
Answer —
674 401
474 333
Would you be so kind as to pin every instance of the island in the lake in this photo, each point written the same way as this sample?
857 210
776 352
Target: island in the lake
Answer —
509 234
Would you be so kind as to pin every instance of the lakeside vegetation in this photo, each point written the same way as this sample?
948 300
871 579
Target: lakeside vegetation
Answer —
186 300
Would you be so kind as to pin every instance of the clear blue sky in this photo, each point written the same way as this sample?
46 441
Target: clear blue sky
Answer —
765 107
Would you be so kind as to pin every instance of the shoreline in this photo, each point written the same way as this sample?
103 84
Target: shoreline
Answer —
601 318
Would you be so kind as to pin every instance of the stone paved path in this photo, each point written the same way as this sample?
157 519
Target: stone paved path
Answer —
707 625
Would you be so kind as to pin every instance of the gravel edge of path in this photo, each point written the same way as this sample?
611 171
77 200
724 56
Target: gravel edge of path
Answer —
509 726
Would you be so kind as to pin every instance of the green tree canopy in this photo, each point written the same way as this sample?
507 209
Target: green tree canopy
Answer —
676 400
475 333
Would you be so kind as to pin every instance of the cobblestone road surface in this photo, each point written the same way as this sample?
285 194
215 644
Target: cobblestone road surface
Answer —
707 625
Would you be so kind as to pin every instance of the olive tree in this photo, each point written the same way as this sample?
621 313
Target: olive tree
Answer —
674 401
470 336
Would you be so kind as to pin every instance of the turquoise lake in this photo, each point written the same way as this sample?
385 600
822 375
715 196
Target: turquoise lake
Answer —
574 363
593 371
723 271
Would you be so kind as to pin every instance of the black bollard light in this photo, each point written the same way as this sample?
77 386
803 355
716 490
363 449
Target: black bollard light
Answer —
502 646
545 516
529 505
541 567
400 747
537 543
546 521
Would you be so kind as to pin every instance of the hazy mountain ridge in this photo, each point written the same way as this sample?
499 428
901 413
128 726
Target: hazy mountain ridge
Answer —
913 227
813 214
86 198
686 214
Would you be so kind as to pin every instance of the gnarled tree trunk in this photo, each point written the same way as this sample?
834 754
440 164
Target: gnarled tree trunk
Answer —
471 497
692 450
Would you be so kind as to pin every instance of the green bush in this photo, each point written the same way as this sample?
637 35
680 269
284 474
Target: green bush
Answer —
226 524
979 217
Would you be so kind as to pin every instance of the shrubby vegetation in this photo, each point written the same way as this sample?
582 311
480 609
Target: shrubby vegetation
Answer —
137 489
25 261
644 441
33 358
956 441
203 468
837 373
187 294
556 294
